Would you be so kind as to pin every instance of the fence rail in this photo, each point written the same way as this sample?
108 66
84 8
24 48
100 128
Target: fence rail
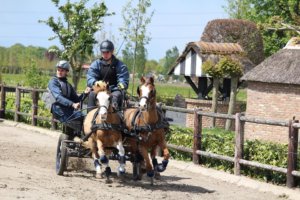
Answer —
240 120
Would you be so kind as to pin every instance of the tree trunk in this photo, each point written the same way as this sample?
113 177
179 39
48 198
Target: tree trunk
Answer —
76 78
214 104
232 101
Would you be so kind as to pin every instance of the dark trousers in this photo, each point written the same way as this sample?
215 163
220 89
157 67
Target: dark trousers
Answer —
116 100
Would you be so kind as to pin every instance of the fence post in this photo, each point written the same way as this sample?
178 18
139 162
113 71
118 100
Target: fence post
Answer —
239 143
197 136
3 101
35 98
17 103
292 154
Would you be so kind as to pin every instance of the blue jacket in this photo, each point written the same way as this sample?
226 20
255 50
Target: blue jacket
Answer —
64 95
94 73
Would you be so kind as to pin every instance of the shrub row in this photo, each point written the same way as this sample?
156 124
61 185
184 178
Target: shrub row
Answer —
221 142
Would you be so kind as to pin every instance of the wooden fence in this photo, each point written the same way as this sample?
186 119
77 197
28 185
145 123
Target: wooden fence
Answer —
18 93
240 120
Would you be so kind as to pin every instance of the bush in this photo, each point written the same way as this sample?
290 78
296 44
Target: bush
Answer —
26 106
221 142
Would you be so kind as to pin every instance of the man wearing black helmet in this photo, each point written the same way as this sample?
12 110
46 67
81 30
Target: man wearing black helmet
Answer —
65 100
111 70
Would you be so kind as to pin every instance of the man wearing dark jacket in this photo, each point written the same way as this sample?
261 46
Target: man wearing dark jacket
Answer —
111 70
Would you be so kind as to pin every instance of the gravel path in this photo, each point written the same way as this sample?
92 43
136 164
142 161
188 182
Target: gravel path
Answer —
27 171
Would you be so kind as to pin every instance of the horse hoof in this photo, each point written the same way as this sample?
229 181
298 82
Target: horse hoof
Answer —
160 168
150 174
103 159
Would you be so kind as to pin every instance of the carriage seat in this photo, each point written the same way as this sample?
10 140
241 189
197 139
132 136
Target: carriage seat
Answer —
71 127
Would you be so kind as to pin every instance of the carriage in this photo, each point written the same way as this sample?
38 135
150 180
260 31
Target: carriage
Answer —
142 129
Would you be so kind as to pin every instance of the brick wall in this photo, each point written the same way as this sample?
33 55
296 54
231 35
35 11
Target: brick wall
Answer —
205 105
271 101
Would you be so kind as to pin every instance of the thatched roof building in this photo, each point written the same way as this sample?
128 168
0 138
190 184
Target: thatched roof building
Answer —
273 92
282 67
189 63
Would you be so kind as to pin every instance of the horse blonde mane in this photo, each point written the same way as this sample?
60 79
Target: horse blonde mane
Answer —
100 86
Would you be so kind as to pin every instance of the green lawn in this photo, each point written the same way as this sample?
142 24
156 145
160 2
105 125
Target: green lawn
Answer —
163 89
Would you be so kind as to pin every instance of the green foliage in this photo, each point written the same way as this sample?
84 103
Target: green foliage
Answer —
180 136
26 107
271 16
170 58
221 142
16 58
238 9
34 77
76 31
134 31
226 66
212 69
230 67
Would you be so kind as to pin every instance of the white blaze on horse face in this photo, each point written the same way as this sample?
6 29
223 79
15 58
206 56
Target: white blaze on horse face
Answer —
103 99
144 93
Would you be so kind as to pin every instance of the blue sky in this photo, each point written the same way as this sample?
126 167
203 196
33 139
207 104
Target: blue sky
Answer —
175 22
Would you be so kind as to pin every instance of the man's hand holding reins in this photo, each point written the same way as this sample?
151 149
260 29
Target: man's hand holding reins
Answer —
76 106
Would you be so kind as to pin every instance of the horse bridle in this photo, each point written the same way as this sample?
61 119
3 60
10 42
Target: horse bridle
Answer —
105 107
148 99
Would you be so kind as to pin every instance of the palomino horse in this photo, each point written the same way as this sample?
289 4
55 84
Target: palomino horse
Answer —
106 127
146 122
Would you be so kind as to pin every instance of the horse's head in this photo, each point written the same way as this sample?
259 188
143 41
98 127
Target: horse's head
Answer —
103 97
147 93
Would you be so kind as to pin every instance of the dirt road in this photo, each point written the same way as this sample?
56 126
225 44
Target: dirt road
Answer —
27 160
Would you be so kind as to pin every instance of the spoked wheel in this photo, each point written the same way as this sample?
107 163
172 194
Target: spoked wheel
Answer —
61 155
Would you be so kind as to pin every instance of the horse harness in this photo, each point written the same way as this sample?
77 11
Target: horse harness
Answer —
135 132
149 128
105 125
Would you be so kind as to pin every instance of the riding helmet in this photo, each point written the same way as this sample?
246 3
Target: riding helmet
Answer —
63 64
106 45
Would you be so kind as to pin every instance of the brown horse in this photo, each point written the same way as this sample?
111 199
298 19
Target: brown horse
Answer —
146 122
106 127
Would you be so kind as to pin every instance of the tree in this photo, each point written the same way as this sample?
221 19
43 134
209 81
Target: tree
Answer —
134 31
238 9
233 69
214 70
151 66
277 19
170 58
34 77
76 32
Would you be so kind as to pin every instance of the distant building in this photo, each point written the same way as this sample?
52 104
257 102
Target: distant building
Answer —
189 65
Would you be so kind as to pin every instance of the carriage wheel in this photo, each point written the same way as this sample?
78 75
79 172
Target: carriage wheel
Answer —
61 155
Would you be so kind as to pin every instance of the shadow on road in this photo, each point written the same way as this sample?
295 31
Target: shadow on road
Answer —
166 183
